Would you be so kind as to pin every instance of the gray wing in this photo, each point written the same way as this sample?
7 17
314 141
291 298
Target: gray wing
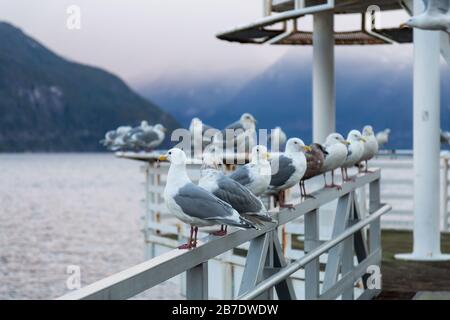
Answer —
284 172
235 125
148 136
436 6
199 203
241 175
349 151
238 196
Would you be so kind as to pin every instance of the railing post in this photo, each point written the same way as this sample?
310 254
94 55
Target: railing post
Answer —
197 282
267 7
445 195
312 269
375 226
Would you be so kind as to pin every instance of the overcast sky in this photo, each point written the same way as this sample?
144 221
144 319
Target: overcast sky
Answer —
144 40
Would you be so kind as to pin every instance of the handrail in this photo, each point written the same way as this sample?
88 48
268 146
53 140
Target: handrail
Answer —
295 266
150 273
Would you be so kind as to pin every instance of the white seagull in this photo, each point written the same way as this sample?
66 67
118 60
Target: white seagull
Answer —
336 147
201 134
239 197
383 137
435 17
148 137
355 152
256 174
288 169
194 205
277 138
370 147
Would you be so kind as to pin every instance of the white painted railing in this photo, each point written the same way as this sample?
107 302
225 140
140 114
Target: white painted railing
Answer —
353 247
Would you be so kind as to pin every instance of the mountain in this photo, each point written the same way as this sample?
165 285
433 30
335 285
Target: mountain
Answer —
369 90
48 103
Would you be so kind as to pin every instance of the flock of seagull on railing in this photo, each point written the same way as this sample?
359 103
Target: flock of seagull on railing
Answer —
233 200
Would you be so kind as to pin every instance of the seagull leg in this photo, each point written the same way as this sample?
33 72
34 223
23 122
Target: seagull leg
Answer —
221 232
305 194
188 245
282 197
333 185
325 179
194 243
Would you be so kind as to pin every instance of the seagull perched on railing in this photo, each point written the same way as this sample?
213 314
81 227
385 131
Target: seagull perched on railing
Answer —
354 153
370 147
288 169
445 137
277 138
435 17
256 174
336 147
194 205
314 164
114 139
201 134
232 192
146 137
383 137
240 136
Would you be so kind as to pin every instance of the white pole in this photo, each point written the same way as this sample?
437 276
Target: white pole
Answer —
323 76
426 145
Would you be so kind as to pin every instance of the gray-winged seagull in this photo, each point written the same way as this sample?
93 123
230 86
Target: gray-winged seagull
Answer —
256 174
288 169
370 147
435 17
354 153
239 197
194 205
336 147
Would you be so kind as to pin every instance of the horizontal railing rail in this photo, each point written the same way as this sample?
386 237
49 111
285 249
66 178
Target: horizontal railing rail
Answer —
148 274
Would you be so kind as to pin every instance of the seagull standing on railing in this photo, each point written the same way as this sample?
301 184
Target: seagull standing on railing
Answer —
240 136
336 147
435 17
354 153
370 147
288 169
148 137
232 192
194 205
201 134
256 174
277 138
314 163
114 139
383 137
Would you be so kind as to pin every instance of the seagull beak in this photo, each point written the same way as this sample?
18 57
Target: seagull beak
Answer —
346 142
363 140
268 156
162 158
404 26
164 129
307 148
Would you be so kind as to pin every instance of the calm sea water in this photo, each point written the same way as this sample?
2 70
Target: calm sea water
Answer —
69 209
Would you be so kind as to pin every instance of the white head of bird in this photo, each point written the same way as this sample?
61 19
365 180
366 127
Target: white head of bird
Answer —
212 156
248 121
260 154
335 138
196 122
159 127
295 145
174 156
426 22
355 135
368 131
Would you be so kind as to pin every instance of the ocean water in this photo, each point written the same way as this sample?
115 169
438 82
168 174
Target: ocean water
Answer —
58 210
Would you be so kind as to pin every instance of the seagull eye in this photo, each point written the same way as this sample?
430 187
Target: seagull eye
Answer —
170 152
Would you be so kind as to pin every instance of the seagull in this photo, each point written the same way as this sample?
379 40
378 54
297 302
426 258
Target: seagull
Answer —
370 147
149 137
445 137
435 17
288 169
201 134
336 147
314 160
383 137
354 153
256 174
245 122
232 192
194 205
114 138
277 138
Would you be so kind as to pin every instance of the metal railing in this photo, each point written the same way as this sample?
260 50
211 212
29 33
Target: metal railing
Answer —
266 271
